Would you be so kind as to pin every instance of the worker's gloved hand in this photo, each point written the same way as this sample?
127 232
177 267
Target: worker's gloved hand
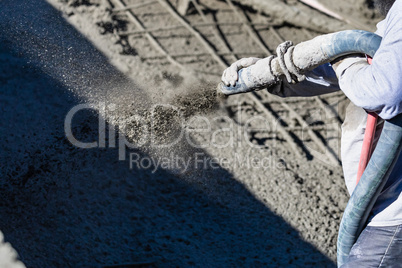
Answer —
230 76
284 56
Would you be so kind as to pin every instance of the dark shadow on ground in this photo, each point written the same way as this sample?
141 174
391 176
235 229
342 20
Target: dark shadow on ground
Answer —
62 206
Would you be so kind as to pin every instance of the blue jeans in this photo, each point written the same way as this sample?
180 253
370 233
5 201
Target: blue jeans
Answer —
377 247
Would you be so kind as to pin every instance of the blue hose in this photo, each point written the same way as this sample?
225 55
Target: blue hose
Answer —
369 187
351 41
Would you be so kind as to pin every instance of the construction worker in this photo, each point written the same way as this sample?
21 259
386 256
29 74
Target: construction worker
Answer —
375 88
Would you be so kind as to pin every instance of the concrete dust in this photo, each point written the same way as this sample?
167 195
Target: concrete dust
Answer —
87 75
199 99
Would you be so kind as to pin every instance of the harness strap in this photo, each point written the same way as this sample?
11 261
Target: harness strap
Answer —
368 140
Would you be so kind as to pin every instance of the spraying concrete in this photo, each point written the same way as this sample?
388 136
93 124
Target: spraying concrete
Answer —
70 200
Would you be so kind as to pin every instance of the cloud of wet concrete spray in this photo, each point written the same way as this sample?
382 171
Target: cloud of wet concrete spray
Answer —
65 55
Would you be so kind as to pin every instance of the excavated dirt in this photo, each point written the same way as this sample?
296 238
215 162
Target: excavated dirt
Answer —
178 177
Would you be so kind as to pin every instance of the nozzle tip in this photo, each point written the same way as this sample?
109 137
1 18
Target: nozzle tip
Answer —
220 96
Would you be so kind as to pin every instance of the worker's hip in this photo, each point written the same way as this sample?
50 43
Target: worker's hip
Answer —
377 247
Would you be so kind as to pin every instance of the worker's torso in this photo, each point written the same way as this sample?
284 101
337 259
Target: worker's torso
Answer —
387 210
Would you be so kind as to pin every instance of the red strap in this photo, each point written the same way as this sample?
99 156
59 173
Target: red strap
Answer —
368 140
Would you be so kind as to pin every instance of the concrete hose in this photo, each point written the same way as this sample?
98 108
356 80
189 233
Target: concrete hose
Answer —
305 56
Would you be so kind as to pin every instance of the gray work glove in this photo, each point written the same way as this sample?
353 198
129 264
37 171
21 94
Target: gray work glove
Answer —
284 52
230 75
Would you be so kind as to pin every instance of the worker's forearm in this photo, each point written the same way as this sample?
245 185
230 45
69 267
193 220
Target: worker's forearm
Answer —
321 80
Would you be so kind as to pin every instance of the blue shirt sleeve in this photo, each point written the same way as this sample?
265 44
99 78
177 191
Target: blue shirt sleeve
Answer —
320 80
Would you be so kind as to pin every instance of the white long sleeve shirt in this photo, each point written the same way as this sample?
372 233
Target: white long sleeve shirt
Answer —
376 87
